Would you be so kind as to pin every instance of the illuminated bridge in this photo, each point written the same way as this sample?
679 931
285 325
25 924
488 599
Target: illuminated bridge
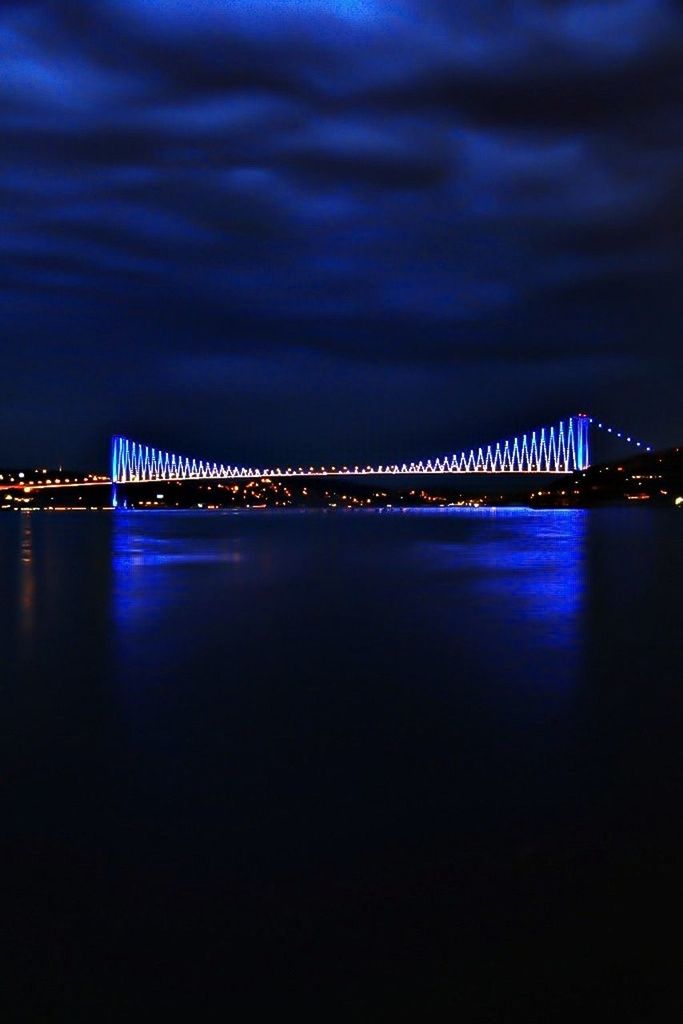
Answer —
563 447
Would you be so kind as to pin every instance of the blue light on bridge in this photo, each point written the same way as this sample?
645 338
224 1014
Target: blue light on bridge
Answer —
558 448
563 447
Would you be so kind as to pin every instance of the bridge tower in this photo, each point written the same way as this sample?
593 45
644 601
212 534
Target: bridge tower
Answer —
114 462
581 424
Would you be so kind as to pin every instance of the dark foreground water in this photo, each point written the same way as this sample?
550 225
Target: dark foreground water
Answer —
396 764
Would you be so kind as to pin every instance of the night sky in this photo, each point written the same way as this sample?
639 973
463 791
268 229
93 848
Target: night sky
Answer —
280 230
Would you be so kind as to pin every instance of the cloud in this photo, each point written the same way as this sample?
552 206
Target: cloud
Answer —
406 186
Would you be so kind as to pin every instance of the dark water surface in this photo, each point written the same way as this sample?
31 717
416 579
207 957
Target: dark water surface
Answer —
384 764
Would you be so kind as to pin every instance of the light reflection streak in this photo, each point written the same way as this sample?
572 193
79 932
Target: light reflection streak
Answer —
150 563
27 581
525 574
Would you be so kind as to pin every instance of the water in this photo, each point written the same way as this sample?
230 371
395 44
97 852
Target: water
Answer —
412 762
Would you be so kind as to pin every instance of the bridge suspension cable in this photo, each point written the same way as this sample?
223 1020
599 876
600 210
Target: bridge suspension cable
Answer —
622 434
562 447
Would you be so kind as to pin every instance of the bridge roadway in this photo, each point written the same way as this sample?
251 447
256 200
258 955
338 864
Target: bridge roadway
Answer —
284 474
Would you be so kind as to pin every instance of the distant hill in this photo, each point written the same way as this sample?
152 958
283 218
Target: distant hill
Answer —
653 478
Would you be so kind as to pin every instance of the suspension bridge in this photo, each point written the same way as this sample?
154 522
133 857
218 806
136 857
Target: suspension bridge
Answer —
562 447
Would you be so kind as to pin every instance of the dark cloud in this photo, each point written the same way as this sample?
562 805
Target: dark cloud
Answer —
403 219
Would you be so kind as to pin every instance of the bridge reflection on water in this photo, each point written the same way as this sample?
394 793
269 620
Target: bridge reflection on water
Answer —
472 582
